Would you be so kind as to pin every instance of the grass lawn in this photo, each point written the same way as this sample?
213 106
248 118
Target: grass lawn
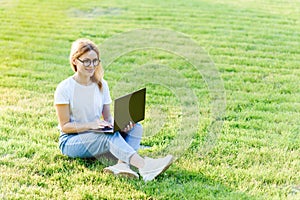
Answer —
254 46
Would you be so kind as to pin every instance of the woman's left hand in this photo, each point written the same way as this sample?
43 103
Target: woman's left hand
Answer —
128 127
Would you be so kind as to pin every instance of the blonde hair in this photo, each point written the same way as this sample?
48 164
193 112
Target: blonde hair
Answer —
80 47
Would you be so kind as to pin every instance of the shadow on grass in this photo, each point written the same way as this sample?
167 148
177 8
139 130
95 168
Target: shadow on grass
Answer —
90 163
175 183
182 184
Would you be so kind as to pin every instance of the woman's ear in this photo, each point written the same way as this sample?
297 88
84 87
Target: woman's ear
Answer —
74 65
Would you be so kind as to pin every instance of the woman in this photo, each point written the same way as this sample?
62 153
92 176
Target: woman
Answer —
80 101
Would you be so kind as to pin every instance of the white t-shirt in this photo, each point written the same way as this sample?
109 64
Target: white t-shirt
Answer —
85 102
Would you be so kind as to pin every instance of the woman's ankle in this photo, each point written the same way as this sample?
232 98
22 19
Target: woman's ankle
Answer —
137 161
120 161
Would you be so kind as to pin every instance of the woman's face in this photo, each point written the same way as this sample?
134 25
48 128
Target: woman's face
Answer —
86 58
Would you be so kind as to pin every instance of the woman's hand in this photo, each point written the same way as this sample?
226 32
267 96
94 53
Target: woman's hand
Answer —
128 127
99 124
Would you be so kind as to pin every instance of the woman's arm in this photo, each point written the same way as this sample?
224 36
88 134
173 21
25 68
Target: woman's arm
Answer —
106 114
63 114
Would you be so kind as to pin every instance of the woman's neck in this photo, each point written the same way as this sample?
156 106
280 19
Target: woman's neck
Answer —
82 80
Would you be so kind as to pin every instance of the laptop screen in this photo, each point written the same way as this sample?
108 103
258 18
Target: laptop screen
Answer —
130 107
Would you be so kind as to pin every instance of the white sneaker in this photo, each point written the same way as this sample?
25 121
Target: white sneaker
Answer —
154 167
121 169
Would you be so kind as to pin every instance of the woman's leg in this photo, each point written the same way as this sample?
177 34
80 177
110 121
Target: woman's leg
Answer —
92 145
133 139
134 136
120 148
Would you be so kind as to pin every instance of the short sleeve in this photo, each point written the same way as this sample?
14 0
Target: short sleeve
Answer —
106 93
61 95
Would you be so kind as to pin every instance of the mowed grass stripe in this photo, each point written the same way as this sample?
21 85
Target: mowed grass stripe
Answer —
231 27
264 63
248 19
226 19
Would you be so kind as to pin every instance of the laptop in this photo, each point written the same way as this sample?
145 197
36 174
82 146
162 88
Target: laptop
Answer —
130 107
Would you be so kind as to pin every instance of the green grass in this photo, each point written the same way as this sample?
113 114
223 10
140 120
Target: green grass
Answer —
255 47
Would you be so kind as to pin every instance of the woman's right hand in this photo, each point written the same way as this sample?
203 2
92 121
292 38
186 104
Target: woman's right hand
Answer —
99 124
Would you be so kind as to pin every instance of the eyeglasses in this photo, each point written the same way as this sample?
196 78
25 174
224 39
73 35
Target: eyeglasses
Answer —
88 62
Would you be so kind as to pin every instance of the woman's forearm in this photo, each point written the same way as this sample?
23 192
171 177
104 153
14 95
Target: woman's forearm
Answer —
73 127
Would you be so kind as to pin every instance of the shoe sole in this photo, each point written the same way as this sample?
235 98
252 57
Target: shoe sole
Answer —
120 174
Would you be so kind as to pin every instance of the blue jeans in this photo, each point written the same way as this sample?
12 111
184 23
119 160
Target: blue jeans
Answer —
90 144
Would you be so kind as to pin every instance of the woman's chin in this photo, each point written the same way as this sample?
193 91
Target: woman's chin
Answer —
90 73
